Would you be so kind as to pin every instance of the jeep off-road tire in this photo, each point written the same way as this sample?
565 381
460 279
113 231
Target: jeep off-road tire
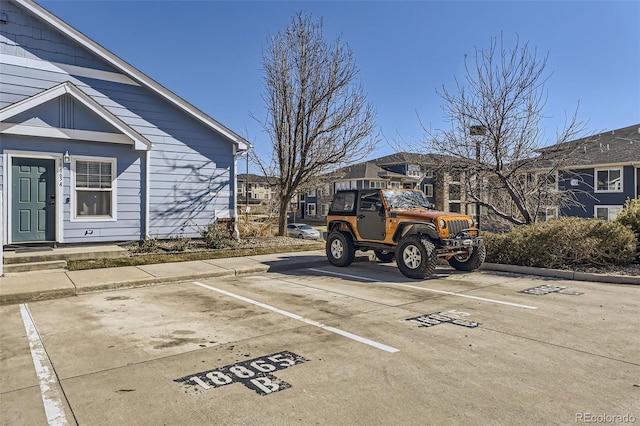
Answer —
385 256
416 257
340 249
470 262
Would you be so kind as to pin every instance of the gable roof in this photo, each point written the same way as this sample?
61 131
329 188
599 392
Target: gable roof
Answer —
613 147
135 74
139 142
402 158
369 170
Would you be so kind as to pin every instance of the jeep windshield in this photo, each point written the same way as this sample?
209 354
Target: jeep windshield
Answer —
403 199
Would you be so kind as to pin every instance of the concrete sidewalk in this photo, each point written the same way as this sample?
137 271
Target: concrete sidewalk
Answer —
32 286
40 285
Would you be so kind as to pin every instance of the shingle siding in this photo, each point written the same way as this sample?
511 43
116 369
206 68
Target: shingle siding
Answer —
43 41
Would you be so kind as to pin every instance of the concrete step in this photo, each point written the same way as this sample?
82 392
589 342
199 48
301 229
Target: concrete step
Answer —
35 266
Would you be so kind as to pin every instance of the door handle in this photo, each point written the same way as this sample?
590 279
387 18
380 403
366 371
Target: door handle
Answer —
53 199
360 216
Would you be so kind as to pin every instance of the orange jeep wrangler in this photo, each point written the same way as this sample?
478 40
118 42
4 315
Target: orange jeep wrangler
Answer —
400 224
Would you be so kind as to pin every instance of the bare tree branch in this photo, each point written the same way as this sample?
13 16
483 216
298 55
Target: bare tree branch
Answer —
503 96
318 116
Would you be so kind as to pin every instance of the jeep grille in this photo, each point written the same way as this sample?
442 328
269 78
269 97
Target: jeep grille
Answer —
456 226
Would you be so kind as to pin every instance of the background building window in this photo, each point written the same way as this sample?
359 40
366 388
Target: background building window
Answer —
609 180
428 190
608 212
94 182
311 209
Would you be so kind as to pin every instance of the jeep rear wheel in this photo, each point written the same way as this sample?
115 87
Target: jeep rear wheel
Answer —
385 256
416 257
471 261
340 249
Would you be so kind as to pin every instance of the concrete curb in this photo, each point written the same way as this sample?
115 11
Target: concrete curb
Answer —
562 274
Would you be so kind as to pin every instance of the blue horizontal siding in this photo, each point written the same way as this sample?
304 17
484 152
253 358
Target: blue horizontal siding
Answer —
191 165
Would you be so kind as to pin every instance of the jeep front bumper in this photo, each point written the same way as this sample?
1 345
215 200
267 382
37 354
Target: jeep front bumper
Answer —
462 242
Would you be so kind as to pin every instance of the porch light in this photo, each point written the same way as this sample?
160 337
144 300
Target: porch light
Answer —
66 158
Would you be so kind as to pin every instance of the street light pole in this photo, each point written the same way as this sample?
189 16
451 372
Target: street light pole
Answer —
478 131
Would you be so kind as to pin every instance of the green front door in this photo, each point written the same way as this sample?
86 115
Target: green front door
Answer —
32 200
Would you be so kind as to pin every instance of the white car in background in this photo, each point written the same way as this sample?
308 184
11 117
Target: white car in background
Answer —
302 230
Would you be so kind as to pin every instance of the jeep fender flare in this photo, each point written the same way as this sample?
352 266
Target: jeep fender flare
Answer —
340 225
424 228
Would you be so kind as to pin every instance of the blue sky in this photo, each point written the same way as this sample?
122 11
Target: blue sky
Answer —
209 52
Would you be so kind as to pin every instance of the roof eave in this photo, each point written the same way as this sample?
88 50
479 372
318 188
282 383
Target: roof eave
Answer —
132 72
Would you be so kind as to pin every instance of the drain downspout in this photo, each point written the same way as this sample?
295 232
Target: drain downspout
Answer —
147 188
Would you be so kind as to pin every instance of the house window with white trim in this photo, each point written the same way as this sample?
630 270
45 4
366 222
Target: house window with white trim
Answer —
377 184
94 187
428 190
607 212
609 180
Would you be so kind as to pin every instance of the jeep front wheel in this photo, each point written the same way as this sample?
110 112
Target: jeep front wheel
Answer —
340 249
385 256
471 260
416 257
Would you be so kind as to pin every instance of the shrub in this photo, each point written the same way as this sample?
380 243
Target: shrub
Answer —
255 229
564 242
150 245
178 244
630 215
216 236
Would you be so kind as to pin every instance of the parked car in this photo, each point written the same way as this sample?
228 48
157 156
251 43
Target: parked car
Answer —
302 230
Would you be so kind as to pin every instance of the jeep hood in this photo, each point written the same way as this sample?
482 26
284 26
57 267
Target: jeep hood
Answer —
425 215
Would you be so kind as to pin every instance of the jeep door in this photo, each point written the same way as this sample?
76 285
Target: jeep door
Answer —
371 217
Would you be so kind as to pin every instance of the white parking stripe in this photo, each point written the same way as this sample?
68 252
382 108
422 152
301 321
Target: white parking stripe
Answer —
53 406
449 293
300 318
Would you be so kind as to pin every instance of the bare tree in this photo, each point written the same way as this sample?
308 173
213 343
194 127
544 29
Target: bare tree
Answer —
496 134
318 115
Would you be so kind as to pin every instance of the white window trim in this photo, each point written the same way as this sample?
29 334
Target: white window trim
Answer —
550 213
608 207
309 209
595 180
73 217
428 185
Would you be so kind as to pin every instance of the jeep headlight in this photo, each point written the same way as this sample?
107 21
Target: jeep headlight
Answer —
471 222
442 224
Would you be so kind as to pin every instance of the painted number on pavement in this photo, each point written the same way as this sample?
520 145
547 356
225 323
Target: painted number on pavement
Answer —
450 317
255 374
546 289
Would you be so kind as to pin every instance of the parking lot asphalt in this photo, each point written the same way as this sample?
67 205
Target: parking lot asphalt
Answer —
316 344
